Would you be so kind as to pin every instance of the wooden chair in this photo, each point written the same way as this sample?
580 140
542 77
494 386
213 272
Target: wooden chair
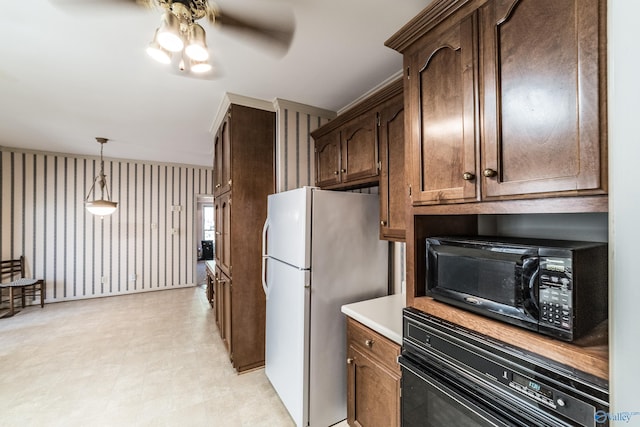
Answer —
13 277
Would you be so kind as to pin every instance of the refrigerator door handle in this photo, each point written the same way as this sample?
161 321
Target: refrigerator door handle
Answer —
264 256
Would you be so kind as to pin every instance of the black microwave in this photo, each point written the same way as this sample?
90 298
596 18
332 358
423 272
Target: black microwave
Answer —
556 287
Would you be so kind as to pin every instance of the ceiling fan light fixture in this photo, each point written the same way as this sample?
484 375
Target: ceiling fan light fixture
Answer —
168 35
197 47
199 66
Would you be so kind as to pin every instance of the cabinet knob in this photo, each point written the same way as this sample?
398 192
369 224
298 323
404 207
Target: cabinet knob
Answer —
369 343
336 172
343 170
468 176
217 185
383 223
489 173
349 360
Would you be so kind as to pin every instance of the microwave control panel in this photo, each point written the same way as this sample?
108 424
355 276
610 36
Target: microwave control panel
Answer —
556 288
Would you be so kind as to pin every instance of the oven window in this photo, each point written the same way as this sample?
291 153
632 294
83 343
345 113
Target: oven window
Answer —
476 272
424 405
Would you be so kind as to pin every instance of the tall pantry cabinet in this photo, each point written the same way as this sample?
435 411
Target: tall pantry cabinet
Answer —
244 177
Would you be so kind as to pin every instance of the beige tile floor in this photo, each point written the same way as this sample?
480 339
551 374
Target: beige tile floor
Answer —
152 359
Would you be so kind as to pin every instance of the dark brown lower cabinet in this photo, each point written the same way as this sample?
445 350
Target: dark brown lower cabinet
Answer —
373 378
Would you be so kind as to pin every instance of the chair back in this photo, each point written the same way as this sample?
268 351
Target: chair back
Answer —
11 270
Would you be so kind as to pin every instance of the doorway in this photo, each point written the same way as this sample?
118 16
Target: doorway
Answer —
204 236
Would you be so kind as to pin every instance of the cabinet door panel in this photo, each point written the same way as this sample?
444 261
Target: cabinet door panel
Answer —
373 392
328 159
541 97
218 229
225 236
225 137
393 188
442 85
359 149
217 164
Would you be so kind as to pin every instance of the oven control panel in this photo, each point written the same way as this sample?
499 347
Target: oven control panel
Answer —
533 389
555 290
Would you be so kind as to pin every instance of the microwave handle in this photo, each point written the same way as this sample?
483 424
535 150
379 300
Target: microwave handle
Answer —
530 286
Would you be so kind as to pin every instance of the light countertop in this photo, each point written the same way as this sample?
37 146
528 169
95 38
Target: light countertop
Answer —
383 315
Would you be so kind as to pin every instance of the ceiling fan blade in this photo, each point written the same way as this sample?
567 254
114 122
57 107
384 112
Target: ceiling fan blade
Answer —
91 5
106 3
277 34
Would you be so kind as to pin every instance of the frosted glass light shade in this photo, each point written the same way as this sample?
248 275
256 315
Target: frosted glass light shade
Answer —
197 47
101 207
169 33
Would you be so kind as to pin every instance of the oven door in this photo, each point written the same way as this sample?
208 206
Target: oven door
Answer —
433 398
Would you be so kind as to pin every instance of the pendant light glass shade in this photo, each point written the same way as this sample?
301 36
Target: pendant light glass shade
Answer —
103 206
169 33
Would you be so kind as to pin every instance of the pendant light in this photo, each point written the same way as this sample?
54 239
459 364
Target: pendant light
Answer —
100 206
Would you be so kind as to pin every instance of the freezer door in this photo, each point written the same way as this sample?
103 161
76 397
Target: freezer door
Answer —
288 228
287 318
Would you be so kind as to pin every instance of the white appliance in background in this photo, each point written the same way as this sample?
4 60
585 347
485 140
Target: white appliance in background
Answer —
320 250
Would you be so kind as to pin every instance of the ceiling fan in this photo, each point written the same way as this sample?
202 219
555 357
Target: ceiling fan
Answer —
181 41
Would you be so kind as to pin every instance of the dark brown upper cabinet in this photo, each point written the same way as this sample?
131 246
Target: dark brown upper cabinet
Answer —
394 192
347 157
505 100
364 147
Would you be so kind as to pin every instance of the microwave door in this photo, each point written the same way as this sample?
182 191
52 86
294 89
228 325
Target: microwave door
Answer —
530 288
492 283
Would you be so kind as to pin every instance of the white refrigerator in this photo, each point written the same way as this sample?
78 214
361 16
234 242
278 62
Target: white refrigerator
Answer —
321 249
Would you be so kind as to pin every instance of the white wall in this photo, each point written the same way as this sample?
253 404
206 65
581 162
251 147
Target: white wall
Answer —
42 216
624 206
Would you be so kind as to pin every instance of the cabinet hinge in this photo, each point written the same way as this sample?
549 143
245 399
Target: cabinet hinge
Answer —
229 201
409 191
379 166
408 75
378 119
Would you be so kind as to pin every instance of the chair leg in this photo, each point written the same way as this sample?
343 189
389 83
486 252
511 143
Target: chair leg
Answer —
43 293
11 312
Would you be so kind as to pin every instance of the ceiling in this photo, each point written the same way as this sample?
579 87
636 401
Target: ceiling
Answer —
69 75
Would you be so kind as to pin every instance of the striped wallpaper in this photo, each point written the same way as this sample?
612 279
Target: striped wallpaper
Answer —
295 166
147 244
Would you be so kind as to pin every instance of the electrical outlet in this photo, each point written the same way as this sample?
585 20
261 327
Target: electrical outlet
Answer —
175 231
154 225
176 208
103 279
132 277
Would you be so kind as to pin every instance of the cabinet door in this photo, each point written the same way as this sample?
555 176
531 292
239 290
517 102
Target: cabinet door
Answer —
393 187
359 149
226 314
217 302
217 163
217 211
441 84
224 136
225 232
373 392
328 159
541 99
